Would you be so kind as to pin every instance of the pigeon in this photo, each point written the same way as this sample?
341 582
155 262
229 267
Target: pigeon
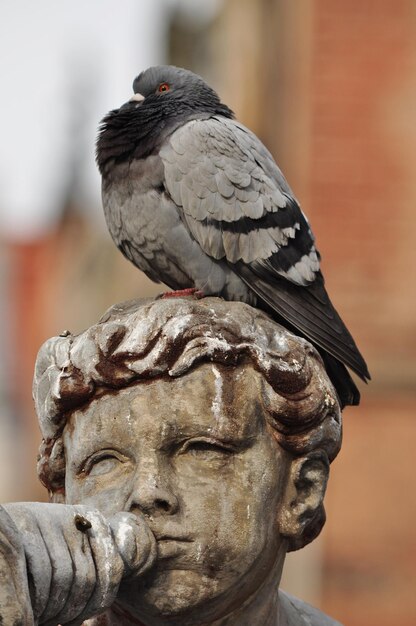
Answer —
196 201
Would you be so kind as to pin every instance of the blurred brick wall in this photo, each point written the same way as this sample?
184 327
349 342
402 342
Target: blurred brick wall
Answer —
369 542
363 188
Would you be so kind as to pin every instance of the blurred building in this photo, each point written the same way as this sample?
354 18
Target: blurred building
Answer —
330 87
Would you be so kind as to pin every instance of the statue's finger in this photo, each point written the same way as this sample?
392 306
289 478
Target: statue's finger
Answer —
135 542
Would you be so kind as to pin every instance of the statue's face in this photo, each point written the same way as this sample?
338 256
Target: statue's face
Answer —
195 455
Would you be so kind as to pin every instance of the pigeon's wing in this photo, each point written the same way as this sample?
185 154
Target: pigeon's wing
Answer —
236 201
239 207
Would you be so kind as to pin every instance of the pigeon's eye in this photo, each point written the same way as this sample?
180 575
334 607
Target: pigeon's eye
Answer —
163 87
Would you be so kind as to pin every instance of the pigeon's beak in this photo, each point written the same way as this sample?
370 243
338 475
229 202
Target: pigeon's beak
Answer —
137 98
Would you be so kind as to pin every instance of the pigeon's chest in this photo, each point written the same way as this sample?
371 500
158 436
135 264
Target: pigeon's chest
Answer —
131 195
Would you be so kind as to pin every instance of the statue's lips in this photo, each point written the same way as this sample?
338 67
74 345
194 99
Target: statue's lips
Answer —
170 547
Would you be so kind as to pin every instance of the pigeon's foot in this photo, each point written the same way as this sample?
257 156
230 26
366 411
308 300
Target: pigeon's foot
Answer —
181 293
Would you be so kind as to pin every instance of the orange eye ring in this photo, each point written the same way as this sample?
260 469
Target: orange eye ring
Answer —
163 87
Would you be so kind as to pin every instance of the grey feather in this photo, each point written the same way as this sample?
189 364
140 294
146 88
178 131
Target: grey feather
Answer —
232 187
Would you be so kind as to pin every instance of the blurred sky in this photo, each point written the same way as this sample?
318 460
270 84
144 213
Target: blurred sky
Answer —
63 65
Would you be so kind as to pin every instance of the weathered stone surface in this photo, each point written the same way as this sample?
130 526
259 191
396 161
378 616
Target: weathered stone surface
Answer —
190 441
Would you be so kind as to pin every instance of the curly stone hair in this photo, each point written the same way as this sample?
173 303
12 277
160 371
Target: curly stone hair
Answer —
143 339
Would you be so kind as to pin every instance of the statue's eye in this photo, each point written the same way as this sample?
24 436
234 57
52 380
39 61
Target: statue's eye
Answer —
104 462
163 87
206 449
104 465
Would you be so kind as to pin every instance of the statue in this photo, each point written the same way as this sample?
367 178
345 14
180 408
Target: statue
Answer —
186 448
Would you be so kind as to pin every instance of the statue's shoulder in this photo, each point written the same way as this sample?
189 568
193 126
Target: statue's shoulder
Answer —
299 613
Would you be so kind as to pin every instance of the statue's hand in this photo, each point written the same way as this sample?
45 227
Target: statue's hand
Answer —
15 604
76 557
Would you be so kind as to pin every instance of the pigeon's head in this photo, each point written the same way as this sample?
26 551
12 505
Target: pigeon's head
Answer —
164 98
173 90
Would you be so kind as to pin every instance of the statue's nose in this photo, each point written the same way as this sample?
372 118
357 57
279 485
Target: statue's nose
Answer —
152 492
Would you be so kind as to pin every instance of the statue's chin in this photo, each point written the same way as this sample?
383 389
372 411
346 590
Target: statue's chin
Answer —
175 592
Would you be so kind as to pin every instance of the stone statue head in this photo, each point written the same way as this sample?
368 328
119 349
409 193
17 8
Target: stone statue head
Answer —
206 417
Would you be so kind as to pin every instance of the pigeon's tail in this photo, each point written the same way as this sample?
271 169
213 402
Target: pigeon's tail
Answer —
309 312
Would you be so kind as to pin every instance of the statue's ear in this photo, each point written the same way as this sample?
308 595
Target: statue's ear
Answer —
303 496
